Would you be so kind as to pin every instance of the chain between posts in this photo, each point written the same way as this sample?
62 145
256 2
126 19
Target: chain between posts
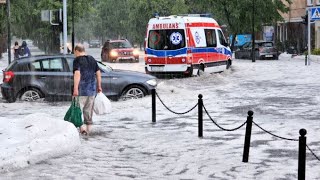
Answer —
174 111
224 129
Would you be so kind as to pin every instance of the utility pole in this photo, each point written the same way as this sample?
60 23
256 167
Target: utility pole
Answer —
65 35
9 31
253 37
72 35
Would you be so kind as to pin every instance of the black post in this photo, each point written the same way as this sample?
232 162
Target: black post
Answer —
153 95
247 138
9 31
302 155
200 116
253 36
306 59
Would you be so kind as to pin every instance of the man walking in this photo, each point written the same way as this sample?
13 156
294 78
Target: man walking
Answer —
87 81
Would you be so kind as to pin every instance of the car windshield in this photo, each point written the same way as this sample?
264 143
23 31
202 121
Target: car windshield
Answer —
104 67
169 39
120 44
94 41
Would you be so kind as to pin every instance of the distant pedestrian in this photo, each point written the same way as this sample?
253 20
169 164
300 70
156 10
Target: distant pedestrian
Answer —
16 50
24 51
87 82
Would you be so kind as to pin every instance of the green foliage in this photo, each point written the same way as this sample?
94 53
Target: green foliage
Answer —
105 19
315 51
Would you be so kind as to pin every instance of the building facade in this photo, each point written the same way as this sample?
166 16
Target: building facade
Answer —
293 32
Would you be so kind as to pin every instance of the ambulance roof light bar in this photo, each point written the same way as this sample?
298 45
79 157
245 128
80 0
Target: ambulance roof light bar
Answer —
197 15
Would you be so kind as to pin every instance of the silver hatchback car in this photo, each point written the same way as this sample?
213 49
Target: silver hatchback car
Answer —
50 77
263 50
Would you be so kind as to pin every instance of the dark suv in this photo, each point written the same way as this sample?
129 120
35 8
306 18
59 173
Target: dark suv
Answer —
263 50
118 51
50 77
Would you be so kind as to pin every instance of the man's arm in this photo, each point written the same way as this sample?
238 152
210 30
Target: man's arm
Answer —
76 81
98 75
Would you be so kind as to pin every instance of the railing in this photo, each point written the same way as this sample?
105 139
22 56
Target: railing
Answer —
302 138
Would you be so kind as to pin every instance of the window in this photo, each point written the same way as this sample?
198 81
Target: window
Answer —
318 2
169 39
221 38
211 37
35 66
54 65
309 2
70 64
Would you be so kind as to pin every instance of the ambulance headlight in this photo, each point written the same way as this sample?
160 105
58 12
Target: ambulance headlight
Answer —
152 82
113 53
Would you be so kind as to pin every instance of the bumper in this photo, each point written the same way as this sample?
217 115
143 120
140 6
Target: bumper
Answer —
8 93
125 59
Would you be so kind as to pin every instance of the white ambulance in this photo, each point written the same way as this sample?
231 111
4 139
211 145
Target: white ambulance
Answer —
184 44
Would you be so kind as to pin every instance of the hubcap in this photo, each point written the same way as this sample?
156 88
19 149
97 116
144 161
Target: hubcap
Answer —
133 93
30 95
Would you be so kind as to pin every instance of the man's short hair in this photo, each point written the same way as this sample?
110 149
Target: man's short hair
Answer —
79 47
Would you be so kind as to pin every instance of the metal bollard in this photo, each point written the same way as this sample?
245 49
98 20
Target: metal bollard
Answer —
306 60
153 95
302 155
200 115
247 138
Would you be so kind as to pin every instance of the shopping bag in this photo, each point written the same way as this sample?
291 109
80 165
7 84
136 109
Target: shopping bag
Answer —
74 114
102 104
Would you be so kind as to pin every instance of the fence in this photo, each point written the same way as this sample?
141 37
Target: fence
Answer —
302 138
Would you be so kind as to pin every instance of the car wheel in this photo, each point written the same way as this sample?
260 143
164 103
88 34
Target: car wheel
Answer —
133 92
31 95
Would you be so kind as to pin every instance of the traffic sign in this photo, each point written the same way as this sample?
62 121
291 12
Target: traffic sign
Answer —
315 13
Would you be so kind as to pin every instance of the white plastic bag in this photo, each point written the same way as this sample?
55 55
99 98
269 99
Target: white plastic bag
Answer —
102 104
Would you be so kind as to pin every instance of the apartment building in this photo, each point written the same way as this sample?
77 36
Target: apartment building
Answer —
293 31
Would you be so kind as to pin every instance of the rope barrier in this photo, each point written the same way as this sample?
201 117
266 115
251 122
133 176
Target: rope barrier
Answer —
313 153
220 126
274 134
174 111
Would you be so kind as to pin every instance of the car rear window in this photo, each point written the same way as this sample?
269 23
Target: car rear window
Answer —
267 44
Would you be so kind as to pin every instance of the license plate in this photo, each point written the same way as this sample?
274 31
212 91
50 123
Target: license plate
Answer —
156 68
269 55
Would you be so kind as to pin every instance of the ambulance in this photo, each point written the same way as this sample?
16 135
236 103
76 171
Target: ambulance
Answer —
185 44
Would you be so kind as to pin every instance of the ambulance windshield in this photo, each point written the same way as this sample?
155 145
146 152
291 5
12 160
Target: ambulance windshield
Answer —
168 39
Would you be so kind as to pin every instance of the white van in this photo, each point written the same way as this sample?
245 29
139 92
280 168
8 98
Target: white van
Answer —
184 44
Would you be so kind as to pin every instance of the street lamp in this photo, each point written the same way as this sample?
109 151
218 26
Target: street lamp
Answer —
253 37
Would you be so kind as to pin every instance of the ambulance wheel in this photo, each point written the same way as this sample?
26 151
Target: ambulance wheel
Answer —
229 63
201 70
189 72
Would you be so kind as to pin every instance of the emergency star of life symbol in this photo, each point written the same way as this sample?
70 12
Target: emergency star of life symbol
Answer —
176 38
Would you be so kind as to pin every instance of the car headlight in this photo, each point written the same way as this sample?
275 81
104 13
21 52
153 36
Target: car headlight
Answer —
135 52
152 82
113 53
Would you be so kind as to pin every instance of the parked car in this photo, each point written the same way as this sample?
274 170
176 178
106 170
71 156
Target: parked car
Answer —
51 78
118 51
94 44
263 50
